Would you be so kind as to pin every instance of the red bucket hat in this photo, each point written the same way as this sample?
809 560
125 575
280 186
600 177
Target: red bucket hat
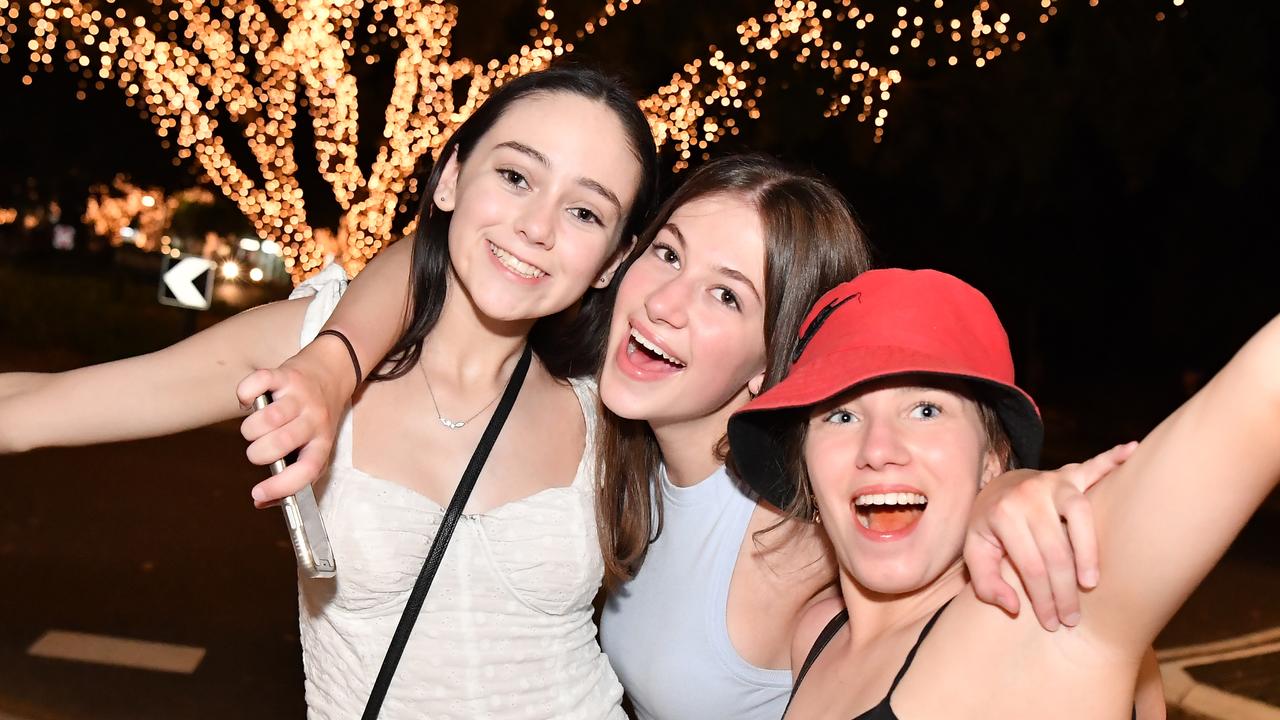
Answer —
880 324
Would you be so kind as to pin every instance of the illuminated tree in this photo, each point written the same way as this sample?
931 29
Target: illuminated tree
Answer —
215 76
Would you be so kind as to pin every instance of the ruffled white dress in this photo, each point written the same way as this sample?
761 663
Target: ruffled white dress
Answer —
507 628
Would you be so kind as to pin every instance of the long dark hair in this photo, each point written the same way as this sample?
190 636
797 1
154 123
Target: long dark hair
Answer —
569 343
812 242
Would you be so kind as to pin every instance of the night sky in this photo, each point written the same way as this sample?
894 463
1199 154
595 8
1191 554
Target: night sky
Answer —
1109 186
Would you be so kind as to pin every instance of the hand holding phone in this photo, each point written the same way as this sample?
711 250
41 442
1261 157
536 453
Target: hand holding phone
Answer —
302 516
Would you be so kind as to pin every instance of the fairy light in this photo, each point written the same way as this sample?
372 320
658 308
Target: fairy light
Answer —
124 212
210 74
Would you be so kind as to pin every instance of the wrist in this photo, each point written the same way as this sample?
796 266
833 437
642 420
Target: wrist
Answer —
326 358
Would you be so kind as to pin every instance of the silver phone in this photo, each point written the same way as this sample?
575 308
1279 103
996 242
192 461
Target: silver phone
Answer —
302 517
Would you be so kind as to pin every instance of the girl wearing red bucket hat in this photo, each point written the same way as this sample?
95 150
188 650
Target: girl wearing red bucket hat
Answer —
900 405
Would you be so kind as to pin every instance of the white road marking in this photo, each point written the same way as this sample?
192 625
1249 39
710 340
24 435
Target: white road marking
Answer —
1181 690
122 652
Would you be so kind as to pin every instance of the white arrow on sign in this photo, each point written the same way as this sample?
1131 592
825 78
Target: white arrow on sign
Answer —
178 280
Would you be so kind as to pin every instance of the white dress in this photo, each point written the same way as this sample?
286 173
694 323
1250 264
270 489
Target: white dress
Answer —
506 631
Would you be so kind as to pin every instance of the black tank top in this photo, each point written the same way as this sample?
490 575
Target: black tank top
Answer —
882 710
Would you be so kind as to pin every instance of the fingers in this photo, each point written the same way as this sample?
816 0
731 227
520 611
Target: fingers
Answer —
1026 557
271 418
255 384
1076 510
982 556
1055 551
1086 474
310 465
278 442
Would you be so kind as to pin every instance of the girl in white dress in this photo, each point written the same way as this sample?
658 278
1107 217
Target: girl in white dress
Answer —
525 219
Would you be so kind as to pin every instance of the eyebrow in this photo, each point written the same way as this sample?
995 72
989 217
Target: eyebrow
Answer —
735 275
723 270
586 182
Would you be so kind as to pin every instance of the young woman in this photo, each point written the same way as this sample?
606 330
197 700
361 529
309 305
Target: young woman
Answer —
901 405
533 205
706 315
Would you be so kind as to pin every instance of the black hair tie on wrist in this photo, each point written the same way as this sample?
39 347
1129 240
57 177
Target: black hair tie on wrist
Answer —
355 361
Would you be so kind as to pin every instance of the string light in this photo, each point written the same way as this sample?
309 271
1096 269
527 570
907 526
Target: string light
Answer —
213 74
124 212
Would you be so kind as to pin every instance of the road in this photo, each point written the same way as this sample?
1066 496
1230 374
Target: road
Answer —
158 541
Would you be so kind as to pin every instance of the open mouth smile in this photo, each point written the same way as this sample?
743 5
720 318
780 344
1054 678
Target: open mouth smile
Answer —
515 264
888 513
642 358
640 343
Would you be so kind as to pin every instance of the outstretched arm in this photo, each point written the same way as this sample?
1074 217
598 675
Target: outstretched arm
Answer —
1171 510
312 388
178 388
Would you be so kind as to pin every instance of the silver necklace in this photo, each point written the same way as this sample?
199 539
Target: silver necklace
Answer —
452 424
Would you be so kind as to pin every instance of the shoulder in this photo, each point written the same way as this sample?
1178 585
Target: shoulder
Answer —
797 552
809 626
587 393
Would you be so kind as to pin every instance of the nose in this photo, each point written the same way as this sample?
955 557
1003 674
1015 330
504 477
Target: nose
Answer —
882 445
668 304
536 222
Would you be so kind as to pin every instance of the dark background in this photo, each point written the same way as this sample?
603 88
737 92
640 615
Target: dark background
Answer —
1109 185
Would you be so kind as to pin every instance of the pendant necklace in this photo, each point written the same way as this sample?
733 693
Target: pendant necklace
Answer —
452 424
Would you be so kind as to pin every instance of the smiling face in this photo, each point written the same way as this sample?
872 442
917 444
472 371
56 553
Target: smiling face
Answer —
538 205
894 466
687 334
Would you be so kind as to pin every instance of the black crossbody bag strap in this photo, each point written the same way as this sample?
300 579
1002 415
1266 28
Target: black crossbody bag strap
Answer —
460 496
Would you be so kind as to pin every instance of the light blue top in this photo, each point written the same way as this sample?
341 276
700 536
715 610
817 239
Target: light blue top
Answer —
666 631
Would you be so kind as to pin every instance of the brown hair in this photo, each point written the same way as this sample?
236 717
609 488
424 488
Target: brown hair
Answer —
802 506
812 242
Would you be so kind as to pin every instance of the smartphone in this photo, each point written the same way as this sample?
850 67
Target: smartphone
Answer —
302 517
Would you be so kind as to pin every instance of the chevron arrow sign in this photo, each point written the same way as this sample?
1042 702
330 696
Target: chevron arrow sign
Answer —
187 282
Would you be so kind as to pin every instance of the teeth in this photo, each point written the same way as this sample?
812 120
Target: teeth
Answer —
515 264
891 499
642 340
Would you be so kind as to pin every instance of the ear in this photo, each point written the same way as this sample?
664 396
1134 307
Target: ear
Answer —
445 196
607 273
992 468
755 383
